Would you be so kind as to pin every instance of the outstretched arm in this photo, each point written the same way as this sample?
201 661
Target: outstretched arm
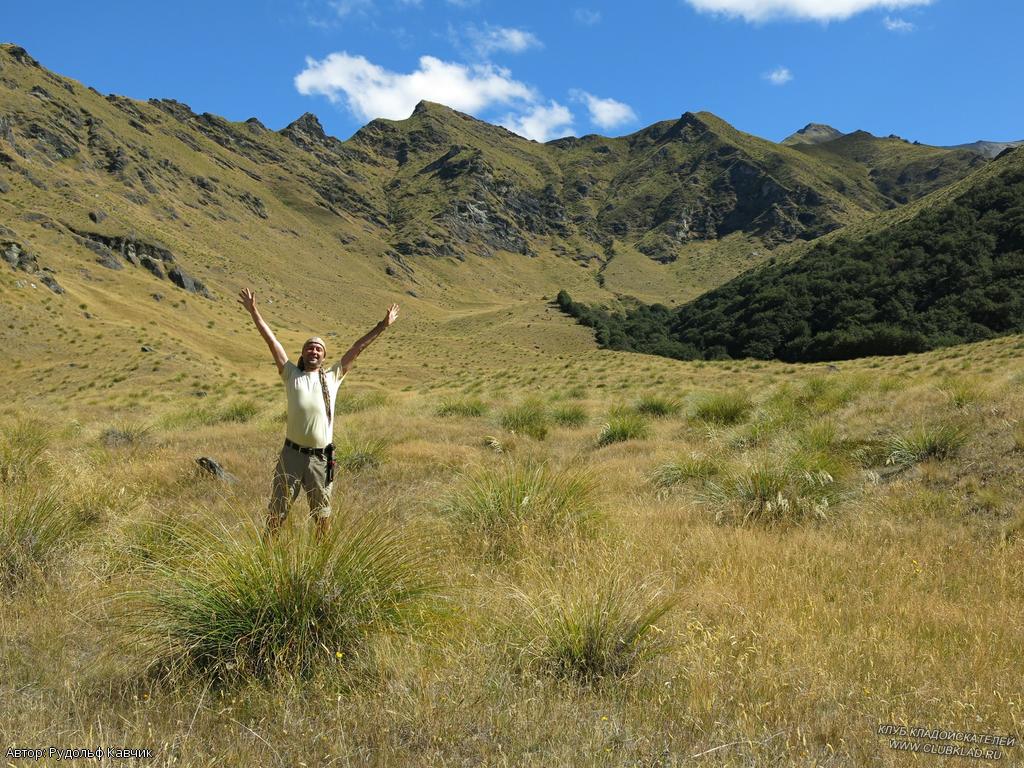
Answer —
350 357
248 300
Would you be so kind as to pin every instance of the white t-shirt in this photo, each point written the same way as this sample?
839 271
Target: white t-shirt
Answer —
307 416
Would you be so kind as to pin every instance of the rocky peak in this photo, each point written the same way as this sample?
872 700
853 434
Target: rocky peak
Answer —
813 133
689 125
308 124
19 54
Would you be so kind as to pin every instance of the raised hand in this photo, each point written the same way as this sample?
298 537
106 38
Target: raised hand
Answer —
247 299
391 316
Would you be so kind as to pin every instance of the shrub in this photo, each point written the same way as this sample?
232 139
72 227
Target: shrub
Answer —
35 528
936 441
467 407
622 426
505 506
570 415
723 409
528 418
592 634
658 407
244 608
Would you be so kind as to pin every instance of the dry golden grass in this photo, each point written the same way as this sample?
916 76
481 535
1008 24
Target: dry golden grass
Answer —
785 645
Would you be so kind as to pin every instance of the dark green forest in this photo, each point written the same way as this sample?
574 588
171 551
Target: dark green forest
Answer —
951 274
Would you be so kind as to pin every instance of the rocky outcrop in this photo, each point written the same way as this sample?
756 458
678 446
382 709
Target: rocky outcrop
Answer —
21 259
188 283
114 251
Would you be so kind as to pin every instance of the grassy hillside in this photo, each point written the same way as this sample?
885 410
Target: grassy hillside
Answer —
949 272
120 203
900 170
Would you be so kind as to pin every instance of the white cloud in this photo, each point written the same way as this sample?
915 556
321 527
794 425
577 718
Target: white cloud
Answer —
371 91
541 123
897 25
605 113
463 3
779 76
817 10
492 39
588 17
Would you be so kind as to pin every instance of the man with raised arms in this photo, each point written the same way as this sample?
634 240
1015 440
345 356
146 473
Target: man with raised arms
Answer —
307 458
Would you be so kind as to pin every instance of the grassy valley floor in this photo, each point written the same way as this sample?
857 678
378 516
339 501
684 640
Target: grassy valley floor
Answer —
624 560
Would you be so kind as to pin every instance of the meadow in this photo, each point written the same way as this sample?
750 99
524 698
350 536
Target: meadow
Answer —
604 559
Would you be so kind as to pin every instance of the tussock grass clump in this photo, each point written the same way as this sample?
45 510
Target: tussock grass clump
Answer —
684 469
355 403
237 411
773 493
527 418
505 506
723 409
572 415
36 527
623 425
242 608
22 448
240 412
658 407
357 454
964 393
927 441
590 634
125 434
466 407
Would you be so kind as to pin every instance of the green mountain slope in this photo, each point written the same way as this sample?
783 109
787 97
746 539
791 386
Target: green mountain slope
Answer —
131 224
951 272
899 170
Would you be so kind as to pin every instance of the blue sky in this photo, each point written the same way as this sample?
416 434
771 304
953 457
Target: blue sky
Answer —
937 71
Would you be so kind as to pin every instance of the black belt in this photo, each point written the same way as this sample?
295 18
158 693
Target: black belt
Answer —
320 453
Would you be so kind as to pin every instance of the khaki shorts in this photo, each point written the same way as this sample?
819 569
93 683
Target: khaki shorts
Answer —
299 471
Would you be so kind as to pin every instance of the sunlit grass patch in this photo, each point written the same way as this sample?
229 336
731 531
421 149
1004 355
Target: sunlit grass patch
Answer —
623 425
465 407
927 441
722 409
242 608
504 507
589 633
236 411
529 417
357 402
